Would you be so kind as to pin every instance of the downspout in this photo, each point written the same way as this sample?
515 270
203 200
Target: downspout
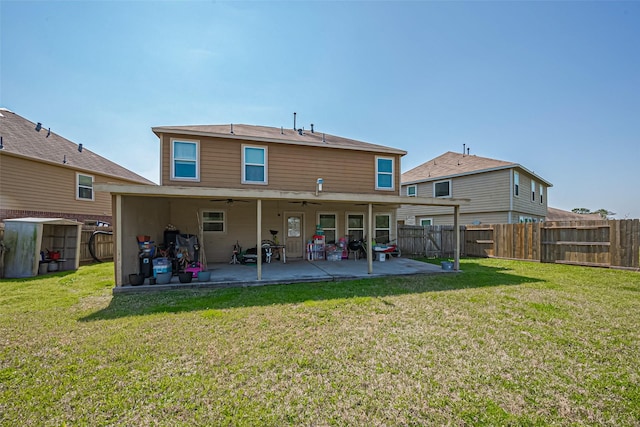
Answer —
259 240
161 157
510 196
370 240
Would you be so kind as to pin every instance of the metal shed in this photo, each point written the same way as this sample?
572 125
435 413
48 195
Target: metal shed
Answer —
26 238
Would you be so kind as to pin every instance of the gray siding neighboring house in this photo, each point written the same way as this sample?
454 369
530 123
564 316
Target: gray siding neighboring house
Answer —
500 191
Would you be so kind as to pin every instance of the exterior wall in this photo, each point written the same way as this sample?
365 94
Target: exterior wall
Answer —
29 188
523 205
150 216
490 195
290 167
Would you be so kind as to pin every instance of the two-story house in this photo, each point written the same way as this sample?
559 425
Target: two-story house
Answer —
500 191
43 174
237 183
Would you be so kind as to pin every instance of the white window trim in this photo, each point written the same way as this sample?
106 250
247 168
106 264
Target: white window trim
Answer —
392 173
533 191
224 221
266 163
173 163
346 223
93 191
415 188
335 215
450 189
425 219
541 194
516 184
389 229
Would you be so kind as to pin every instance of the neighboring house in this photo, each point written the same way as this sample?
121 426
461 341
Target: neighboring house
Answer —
45 175
236 183
500 192
554 214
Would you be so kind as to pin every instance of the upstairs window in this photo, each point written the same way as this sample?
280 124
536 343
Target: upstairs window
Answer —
213 221
442 188
84 187
254 165
412 190
533 191
541 194
384 173
184 160
516 183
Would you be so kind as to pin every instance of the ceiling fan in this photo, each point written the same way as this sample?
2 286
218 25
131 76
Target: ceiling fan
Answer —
304 203
229 201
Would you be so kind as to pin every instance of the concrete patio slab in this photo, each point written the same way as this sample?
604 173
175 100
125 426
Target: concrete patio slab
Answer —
298 271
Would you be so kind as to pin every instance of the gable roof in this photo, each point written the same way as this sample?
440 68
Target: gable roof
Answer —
20 138
277 135
451 164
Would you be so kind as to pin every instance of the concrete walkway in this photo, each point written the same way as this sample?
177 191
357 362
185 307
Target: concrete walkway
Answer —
298 271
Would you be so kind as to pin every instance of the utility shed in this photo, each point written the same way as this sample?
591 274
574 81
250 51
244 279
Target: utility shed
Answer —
26 238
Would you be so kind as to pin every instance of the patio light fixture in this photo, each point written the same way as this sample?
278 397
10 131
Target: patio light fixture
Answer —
319 183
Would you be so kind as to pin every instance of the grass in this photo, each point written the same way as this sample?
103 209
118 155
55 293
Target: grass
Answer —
503 343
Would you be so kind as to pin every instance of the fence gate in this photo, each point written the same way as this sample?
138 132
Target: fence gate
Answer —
437 241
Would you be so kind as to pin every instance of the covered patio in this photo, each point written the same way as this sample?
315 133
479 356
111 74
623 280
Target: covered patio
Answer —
225 275
248 216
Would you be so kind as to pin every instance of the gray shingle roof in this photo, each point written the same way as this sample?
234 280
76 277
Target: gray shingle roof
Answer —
453 164
20 138
277 135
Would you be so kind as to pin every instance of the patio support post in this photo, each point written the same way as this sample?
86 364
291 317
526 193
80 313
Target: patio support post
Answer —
259 240
456 227
117 231
370 240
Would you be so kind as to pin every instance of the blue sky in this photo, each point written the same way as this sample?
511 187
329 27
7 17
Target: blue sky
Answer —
554 86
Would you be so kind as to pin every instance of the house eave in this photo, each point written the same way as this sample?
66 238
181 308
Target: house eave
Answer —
255 194
476 172
377 149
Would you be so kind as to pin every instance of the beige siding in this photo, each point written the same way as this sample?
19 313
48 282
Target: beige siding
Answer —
150 216
35 186
523 203
290 167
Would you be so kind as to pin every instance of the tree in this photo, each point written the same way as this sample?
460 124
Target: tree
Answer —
581 210
604 213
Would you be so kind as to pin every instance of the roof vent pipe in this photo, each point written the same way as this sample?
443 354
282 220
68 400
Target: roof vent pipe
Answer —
312 128
294 121
323 139
468 150
464 149
232 129
281 130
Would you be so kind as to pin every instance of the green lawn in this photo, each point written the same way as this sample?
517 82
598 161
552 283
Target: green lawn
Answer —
503 343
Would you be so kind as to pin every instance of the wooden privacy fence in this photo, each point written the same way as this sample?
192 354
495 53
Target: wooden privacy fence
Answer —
606 243
430 241
102 244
